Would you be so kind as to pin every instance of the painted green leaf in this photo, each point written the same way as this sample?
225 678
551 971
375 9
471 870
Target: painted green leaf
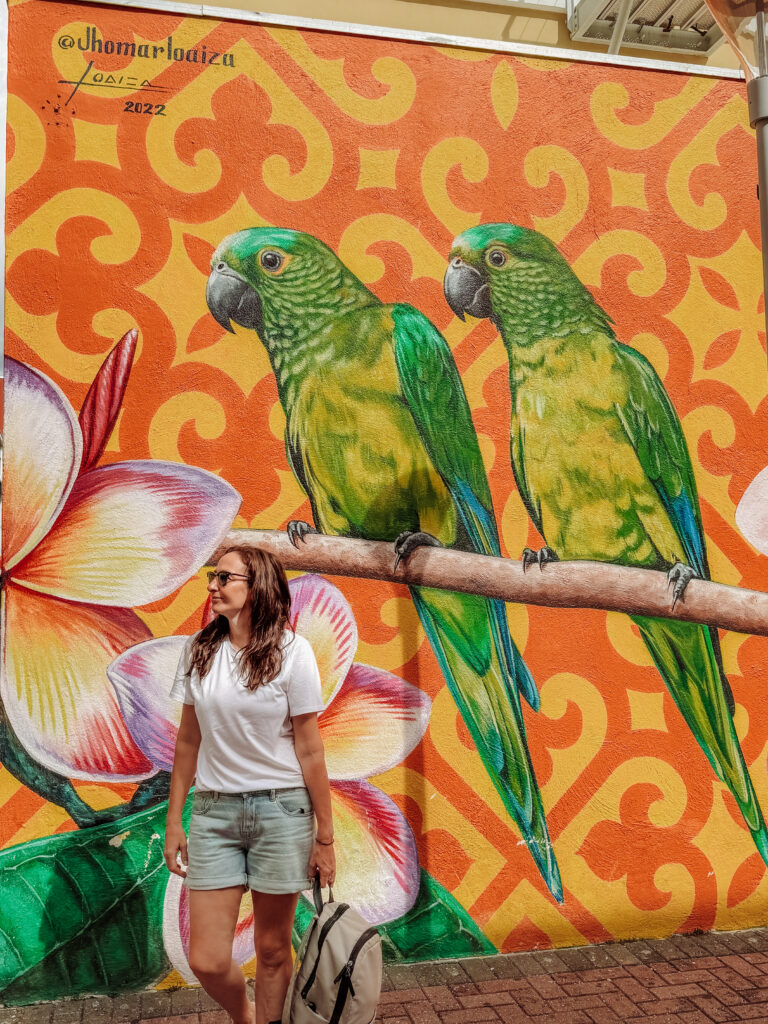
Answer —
87 910
304 913
436 927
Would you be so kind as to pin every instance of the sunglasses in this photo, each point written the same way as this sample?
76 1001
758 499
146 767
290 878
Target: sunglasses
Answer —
224 577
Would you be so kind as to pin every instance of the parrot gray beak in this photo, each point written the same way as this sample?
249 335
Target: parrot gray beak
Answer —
466 290
232 300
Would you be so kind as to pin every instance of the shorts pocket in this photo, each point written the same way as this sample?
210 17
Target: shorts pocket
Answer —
294 803
201 802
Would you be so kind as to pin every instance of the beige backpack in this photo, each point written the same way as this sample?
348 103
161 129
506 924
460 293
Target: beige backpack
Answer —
337 972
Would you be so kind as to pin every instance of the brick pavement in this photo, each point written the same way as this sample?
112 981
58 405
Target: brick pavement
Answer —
712 978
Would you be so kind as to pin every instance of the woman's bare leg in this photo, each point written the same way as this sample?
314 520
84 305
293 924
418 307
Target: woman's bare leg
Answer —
272 923
212 918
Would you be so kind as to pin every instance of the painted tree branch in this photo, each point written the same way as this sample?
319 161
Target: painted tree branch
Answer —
557 585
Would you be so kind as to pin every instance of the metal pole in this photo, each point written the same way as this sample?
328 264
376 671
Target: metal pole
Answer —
757 98
620 26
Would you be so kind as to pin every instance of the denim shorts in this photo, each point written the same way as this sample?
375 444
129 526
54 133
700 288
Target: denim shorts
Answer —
262 840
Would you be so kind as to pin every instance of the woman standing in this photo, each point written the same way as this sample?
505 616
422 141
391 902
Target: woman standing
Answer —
261 815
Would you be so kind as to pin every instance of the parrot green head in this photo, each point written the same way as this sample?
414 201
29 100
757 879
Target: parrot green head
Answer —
519 280
282 284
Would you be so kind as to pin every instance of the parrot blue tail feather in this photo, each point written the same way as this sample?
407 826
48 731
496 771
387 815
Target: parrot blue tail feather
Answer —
520 679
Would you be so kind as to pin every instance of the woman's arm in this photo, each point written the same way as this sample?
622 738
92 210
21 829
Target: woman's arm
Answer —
311 755
184 767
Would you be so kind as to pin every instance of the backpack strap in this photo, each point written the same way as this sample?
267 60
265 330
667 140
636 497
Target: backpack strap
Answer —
344 978
341 909
317 894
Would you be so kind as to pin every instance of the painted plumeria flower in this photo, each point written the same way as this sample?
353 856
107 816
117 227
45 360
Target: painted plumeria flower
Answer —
80 546
752 512
371 722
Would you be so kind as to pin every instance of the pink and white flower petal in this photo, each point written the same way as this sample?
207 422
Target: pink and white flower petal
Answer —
55 689
142 677
242 947
43 449
321 614
176 930
372 724
752 512
176 927
132 533
377 866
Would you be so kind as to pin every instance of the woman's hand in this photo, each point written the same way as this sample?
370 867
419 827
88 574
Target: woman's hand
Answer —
322 861
175 846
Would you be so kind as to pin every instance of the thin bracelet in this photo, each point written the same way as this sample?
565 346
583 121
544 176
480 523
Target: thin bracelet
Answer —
322 843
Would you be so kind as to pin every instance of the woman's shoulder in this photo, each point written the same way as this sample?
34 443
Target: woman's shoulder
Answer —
293 644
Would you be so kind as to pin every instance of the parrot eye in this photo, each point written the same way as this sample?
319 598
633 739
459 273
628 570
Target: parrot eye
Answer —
221 266
497 258
271 260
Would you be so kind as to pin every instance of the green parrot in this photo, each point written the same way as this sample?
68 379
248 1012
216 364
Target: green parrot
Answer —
380 436
601 462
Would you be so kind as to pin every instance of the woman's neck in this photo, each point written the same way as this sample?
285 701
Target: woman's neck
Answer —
240 630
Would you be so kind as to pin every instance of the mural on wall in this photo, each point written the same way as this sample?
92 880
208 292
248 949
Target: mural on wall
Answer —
336 291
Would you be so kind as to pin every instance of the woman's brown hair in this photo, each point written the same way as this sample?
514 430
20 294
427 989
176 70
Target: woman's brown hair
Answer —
262 657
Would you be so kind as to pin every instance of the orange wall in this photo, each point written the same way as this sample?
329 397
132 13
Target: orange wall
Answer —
386 150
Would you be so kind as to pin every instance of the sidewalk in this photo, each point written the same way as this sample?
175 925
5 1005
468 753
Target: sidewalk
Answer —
717 977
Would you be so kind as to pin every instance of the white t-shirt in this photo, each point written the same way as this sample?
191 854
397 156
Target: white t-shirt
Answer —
247 735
